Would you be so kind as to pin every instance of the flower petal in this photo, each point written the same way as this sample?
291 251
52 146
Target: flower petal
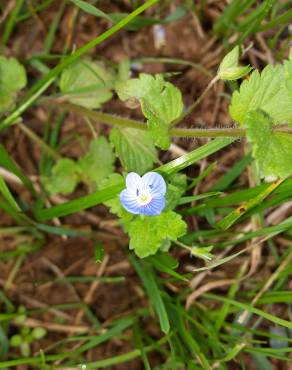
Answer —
134 182
129 202
154 182
155 207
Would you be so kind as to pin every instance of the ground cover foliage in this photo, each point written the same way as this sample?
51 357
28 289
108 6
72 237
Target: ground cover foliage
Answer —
187 266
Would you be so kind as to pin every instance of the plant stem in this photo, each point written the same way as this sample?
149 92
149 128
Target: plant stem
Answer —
174 61
196 102
179 132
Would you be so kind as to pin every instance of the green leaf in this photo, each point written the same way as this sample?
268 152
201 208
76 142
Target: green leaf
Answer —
90 9
114 204
12 79
16 340
153 289
10 165
44 82
175 189
97 162
25 349
98 252
251 309
64 177
229 68
230 60
165 263
234 73
38 332
161 108
161 103
288 74
135 149
139 87
124 69
148 233
110 192
266 91
87 83
5 191
271 150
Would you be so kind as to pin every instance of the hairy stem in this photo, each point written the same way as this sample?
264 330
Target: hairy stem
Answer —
178 132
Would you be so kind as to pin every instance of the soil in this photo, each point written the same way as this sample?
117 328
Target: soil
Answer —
34 285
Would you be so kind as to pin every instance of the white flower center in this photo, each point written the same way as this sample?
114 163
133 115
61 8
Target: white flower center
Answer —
144 199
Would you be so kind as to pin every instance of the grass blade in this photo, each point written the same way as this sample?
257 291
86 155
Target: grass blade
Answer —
147 276
247 307
47 80
108 193
10 165
194 156
232 217
90 9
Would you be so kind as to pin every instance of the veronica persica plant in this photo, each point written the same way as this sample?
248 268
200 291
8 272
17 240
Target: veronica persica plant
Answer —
144 195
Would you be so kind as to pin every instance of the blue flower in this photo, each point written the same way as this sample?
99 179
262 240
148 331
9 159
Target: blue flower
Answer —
144 195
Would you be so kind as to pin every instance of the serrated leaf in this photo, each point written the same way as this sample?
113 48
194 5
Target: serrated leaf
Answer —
12 79
148 233
161 103
139 87
271 150
288 75
114 204
98 162
161 108
134 148
175 189
87 83
64 177
266 91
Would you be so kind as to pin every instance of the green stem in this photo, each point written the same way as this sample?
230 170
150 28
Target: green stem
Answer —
208 132
127 122
197 101
174 61
12 118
